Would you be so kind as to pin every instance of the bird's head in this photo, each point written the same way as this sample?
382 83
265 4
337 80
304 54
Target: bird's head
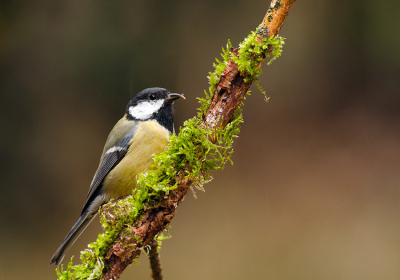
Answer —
153 104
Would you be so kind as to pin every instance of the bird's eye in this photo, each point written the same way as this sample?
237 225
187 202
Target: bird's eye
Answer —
152 97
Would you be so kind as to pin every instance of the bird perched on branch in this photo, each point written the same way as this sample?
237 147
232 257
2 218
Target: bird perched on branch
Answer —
143 131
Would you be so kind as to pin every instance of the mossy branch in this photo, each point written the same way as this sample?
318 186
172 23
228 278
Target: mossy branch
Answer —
204 143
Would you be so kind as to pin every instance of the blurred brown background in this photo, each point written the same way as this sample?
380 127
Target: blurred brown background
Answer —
314 192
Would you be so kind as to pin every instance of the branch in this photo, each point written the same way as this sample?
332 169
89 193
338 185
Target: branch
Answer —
227 97
144 216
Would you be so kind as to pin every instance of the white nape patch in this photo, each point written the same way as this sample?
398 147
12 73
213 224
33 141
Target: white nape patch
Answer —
144 110
114 149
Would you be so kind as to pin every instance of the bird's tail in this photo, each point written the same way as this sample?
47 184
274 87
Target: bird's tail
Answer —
71 237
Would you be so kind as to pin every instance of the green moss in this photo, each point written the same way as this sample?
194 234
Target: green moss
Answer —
251 53
190 148
213 79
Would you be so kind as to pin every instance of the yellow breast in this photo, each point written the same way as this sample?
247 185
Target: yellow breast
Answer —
150 138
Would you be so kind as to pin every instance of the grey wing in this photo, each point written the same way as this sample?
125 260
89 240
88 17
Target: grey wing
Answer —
111 159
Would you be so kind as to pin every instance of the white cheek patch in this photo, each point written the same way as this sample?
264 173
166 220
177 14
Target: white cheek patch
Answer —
144 110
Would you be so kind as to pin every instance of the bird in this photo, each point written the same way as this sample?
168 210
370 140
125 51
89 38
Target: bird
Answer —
143 131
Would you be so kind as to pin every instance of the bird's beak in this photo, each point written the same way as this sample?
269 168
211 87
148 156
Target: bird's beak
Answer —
174 96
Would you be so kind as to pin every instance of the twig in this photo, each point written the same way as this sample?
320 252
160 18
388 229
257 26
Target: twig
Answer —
155 262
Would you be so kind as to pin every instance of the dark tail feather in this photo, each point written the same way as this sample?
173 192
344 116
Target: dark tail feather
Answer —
71 237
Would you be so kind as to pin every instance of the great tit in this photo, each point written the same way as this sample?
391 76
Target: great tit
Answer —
143 131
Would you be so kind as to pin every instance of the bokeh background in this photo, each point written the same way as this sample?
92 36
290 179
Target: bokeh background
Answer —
314 190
